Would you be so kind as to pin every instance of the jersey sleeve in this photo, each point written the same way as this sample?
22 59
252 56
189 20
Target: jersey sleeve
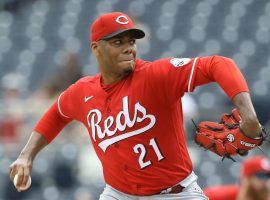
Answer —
66 101
173 76
222 70
179 75
58 115
51 123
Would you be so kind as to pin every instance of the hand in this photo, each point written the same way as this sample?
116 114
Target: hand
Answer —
22 167
251 129
249 122
226 138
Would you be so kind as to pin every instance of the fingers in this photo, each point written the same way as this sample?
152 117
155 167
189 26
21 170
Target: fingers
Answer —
26 176
19 174
12 171
20 177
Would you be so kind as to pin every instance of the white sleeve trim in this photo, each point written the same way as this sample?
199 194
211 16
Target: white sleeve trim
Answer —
191 74
59 109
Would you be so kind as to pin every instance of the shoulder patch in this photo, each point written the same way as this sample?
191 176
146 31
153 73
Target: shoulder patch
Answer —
178 62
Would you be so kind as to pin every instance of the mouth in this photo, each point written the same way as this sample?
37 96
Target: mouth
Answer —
130 63
128 60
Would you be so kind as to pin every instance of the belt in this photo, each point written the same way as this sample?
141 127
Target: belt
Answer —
173 190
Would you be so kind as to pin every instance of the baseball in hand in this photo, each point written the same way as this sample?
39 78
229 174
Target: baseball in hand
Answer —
28 184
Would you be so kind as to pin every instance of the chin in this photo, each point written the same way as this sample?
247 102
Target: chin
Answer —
128 68
128 71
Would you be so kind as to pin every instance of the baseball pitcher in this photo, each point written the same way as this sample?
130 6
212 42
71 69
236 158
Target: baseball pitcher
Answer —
133 113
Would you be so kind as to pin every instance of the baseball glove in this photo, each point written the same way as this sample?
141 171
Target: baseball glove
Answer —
226 138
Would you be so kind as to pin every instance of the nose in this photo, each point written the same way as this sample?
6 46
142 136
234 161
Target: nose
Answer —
129 49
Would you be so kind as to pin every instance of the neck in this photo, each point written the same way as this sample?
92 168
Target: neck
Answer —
109 78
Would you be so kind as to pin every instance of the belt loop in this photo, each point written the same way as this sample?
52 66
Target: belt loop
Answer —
173 190
166 191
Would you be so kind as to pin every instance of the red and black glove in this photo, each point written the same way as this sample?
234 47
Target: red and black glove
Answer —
225 138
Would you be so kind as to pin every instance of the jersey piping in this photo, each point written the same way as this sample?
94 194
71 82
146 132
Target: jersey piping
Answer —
191 75
59 108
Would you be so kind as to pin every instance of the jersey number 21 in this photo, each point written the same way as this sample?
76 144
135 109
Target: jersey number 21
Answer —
141 149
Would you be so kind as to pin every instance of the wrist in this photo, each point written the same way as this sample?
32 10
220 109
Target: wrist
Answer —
26 156
251 128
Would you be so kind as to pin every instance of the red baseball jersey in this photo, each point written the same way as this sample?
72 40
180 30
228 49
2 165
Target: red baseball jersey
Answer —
223 192
136 124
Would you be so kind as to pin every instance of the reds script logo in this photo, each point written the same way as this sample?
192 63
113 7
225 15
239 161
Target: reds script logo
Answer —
94 118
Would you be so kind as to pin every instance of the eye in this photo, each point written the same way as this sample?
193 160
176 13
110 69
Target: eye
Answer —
117 42
133 41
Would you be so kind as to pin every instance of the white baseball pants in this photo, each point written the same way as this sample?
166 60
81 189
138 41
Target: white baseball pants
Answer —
191 192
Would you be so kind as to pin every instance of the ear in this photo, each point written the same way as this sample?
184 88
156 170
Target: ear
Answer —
95 48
